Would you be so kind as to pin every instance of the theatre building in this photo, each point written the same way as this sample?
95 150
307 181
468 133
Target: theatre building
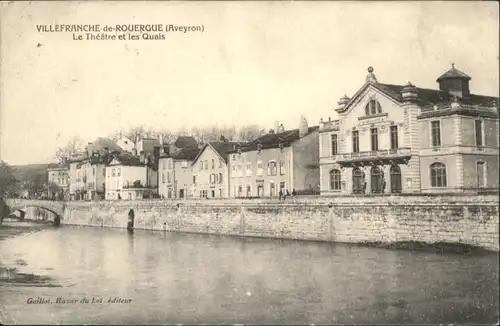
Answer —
404 139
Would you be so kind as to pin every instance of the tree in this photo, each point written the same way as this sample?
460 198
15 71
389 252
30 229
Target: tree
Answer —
72 148
8 182
250 132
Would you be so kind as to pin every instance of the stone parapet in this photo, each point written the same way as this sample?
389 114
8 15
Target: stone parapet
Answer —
469 220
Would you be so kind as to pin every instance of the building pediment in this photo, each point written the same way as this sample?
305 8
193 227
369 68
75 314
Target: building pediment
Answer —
115 161
366 93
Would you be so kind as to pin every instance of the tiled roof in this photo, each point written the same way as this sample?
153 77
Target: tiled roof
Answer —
57 166
148 144
273 140
224 147
186 142
433 96
102 142
186 154
127 159
454 73
221 147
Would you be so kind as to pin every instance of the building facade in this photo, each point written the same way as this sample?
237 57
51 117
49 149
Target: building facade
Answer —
87 175
125 143
210 170
282 161
58 181
403 139
129 177
175 168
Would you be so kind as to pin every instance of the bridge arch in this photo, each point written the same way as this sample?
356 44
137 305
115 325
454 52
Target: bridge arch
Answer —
56 208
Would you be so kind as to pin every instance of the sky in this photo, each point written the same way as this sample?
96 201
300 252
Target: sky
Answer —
254 63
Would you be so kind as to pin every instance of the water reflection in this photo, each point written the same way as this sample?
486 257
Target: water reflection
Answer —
186 278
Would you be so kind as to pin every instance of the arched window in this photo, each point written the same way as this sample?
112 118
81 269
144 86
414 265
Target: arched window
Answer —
358 181
396 183
438 175
335 183
220 177
377 180
373 107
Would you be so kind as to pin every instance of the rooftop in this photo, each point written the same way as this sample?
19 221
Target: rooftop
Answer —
273 140
454 73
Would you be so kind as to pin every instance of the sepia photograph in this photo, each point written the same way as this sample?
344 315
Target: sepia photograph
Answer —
249 162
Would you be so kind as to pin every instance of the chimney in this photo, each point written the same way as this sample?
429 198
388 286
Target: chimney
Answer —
303 127
105 151
142 157
156 153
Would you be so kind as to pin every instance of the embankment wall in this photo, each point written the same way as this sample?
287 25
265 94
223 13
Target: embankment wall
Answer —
471 220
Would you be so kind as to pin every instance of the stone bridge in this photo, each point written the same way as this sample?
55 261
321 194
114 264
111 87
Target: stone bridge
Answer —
21 205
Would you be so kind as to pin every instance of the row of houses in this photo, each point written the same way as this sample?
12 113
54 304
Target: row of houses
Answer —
387 139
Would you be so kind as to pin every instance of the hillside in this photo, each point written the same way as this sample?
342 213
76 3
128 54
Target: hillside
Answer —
30 172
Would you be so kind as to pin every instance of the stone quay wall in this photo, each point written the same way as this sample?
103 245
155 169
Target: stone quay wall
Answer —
470 220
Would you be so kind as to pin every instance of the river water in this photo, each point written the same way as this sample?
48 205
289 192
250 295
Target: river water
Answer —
191 279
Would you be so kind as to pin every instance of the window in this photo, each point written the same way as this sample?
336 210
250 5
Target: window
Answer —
220 177
113 172
335 183
118 172
234 157
394 137
272 189
260 170
334 145
436 133
163 177
240 190
377 180
374 138
249 169
249 191
373 107
396 182
355 141
478 126
282 167
168 177
240 171
271 168
358 181
93 171
438 175
194 179
201 166
103 172
205 166
481 174
213 164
